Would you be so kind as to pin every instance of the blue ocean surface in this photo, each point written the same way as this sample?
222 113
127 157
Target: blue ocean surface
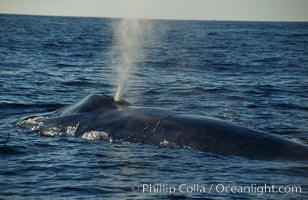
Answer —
249 73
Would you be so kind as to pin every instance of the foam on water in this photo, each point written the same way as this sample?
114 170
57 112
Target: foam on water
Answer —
71 130
32 122
36 124
97 135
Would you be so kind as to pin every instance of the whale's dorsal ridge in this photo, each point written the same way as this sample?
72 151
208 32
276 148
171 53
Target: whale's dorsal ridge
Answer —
92 103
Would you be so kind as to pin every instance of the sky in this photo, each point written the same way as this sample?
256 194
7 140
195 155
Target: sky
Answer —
244 10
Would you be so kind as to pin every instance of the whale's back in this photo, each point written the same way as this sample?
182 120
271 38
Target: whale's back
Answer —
92 103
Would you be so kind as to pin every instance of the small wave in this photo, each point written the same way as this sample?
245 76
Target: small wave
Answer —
78 83
152 91
290 106
213 33
7 150
219 90
84 190
85 82
236 97
300 35
83 55
36 105
266 60
64 65
55 45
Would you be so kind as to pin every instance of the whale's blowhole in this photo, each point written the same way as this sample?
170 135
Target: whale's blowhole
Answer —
93 103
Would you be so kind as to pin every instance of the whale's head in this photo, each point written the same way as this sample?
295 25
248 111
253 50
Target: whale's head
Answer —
92 103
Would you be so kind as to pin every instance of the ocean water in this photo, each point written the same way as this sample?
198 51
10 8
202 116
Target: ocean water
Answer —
249 73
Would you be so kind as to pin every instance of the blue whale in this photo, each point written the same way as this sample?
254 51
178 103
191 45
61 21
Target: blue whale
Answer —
125 122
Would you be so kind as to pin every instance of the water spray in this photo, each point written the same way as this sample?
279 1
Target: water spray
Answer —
117 94
127 51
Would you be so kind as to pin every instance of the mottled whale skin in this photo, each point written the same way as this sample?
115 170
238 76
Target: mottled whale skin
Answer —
125 122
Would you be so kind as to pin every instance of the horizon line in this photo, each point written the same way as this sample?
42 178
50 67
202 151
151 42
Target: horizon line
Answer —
167 19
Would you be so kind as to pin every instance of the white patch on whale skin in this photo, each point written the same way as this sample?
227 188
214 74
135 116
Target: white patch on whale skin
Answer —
97 135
